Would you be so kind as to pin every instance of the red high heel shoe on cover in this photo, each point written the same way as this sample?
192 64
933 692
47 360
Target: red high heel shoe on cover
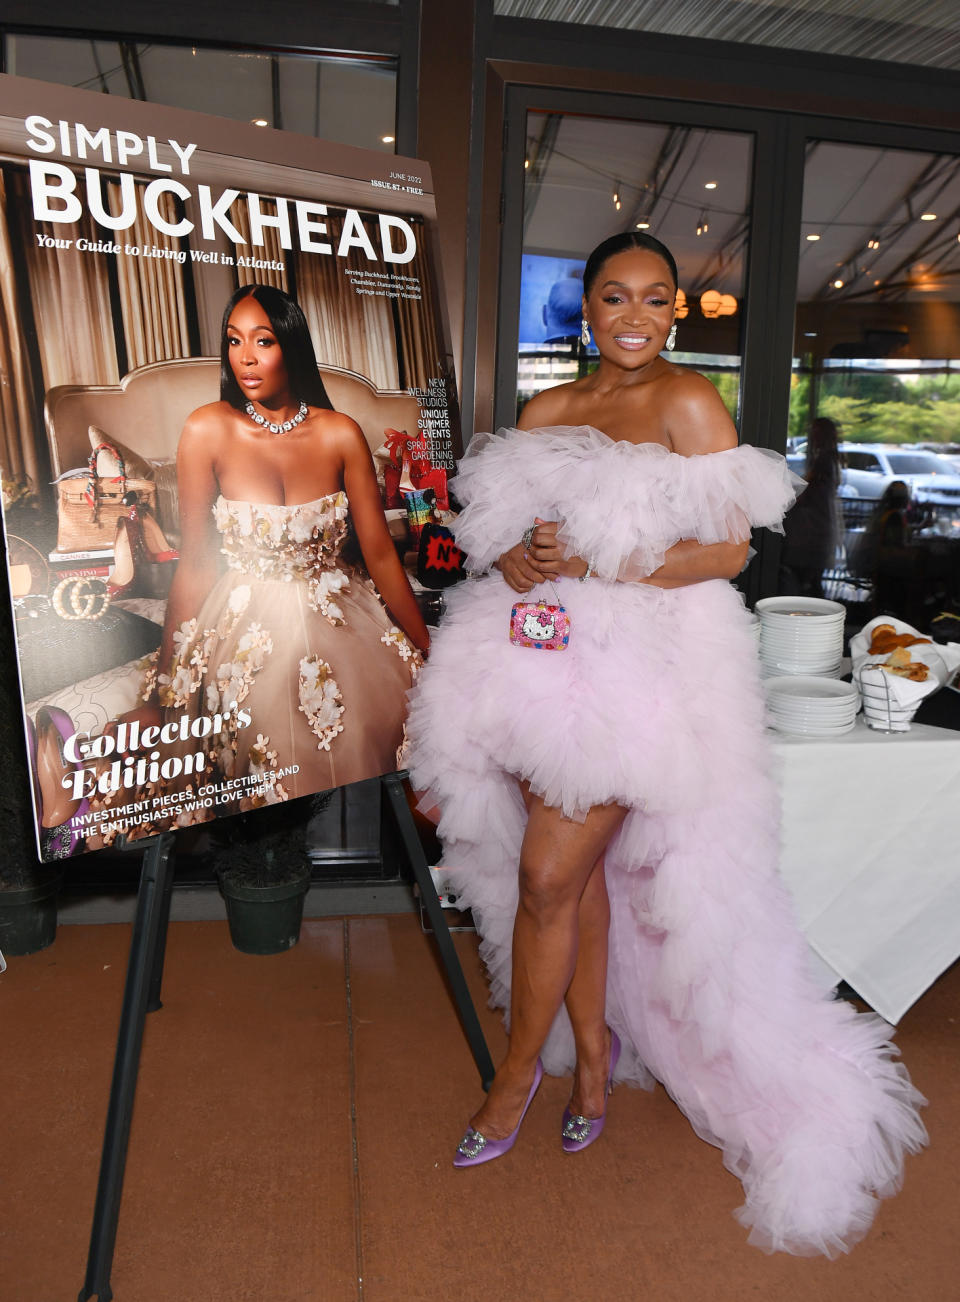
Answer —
154 539
127 554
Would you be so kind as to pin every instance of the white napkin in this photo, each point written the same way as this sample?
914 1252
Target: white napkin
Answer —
903 694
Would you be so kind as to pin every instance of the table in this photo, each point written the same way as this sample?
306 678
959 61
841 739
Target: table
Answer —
871 854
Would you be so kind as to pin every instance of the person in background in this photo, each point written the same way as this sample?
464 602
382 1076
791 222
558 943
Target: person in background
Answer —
814 524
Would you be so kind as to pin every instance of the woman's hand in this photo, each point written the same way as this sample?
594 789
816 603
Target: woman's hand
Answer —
548 555
525 567
519 570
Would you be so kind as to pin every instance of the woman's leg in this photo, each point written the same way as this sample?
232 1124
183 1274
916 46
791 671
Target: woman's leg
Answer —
586 999
557 859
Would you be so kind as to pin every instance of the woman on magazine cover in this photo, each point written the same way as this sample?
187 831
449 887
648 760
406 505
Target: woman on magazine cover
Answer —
290 637
607 808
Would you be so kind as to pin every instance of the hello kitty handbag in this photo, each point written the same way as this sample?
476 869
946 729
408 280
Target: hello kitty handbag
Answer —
537 625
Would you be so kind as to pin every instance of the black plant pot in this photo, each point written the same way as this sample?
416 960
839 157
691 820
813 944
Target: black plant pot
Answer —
28 917
264 919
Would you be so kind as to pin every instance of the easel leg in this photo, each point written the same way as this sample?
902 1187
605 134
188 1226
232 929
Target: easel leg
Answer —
156 977
393 784
143 976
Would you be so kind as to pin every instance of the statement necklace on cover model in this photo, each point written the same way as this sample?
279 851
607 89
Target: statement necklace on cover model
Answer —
284 427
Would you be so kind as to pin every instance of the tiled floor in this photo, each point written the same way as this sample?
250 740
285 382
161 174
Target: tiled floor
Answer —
293 1131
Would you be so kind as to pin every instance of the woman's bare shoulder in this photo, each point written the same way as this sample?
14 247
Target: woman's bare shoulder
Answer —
695 417
550 407
213 418
338 428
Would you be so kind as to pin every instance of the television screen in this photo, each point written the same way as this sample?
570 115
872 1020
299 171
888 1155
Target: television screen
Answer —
550 293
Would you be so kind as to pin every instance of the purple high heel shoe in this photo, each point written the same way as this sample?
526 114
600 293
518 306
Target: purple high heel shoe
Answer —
475 1148
580 1132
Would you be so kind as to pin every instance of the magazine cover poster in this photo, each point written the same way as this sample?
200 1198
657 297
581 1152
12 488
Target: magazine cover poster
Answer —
227 419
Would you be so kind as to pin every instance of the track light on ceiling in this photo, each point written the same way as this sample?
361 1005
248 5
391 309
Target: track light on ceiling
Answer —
644 225
838 283
873 243
616 196
703 226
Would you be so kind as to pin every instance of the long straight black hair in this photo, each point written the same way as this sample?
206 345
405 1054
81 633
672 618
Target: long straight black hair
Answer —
619 244
292 333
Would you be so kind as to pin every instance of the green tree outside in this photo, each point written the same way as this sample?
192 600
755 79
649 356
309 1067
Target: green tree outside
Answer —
878 408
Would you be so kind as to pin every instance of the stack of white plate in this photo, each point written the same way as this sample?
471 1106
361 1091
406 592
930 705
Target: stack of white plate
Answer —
811 707
880 709
801 635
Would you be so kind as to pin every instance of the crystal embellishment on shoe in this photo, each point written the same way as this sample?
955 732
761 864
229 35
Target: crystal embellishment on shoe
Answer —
579 1132
577 1128
472 1144
475 1148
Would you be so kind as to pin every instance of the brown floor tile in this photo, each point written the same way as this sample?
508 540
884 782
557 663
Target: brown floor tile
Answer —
645 1213
240 1176
241 1183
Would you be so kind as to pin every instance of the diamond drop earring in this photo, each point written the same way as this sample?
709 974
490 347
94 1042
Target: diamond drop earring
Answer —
584 333
672 338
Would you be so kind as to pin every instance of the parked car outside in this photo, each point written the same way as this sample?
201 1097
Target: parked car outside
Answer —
871 467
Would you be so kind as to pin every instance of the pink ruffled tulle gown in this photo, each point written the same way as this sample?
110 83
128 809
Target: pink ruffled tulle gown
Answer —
657 704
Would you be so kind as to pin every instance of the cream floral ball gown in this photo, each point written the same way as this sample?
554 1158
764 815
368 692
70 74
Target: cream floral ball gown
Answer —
297 640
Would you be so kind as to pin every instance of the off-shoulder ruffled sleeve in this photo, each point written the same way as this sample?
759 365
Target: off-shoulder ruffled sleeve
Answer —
497 484
619 504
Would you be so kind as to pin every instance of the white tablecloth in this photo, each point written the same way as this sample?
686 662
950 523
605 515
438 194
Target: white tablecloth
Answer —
871 853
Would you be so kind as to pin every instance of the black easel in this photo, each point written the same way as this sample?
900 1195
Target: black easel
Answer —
392 783
141 995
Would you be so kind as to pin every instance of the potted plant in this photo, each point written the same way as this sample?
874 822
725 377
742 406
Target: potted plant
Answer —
263 864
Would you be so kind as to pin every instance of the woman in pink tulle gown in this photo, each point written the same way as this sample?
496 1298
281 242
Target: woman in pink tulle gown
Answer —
609 809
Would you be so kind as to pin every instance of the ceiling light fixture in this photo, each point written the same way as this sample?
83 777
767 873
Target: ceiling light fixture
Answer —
616 196
928 216
709 185
813 238
873 243
714 304
388 140
838 284
259 122
703 225
644 225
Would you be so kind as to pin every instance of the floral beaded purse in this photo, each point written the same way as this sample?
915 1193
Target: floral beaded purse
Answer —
537 625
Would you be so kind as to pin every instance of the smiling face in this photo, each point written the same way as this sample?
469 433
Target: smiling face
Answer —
630 307
256 358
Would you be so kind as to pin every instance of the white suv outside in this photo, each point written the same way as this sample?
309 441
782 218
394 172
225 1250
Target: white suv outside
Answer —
870 468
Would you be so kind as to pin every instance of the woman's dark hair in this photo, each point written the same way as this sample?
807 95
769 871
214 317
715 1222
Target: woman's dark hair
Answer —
823 458
619 244
292 333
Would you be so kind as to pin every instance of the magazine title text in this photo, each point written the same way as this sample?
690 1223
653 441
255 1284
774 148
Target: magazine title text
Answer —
56 190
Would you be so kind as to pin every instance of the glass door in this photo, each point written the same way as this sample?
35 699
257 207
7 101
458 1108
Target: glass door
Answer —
586 178
874 419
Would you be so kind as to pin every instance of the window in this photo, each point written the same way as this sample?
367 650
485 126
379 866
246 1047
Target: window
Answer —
351 100
589 177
